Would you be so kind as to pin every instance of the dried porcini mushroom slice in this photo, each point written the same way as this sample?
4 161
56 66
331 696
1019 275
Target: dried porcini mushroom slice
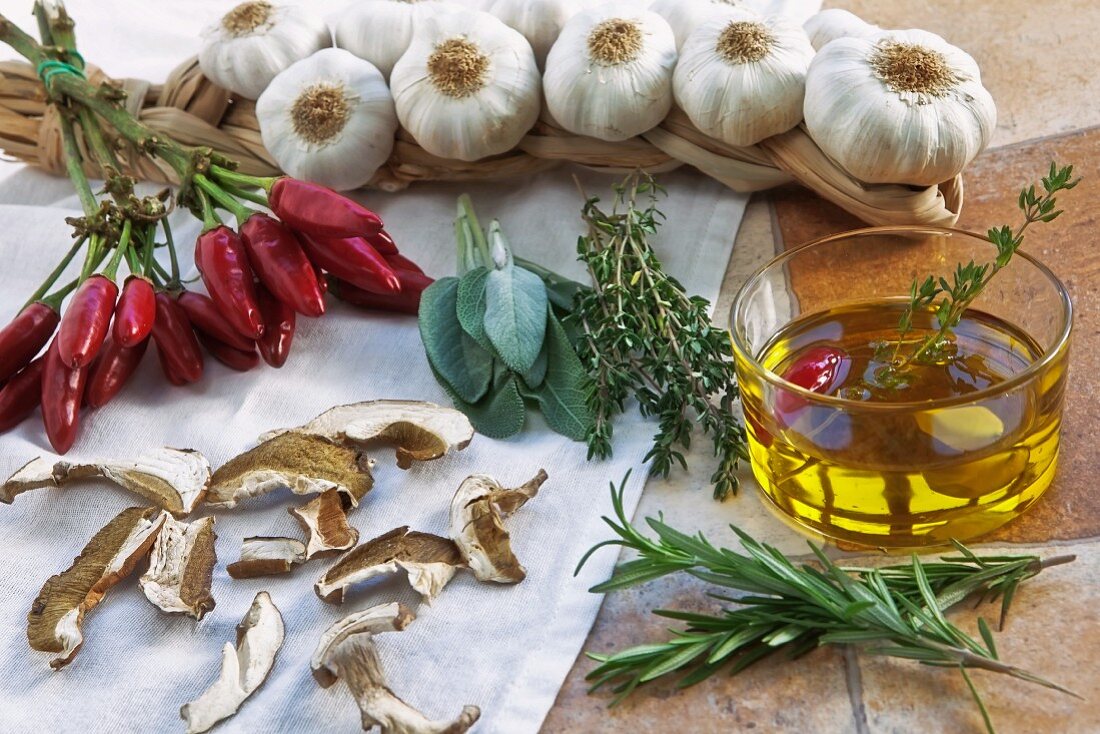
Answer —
325 522
477 512
181 566
354 659
301 463
174 479
429 560
420 431
53 624
267 557
392 617
244 668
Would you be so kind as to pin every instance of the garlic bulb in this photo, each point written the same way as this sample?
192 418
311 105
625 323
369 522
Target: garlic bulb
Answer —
380 31
741 78
255 41
903 107
329 119
686 15
609 75
468 87
540 21
829 25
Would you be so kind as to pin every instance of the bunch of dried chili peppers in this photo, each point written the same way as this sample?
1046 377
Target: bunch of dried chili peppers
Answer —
259 277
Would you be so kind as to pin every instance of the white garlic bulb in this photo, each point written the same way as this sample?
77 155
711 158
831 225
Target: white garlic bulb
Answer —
380 31
686 15
834 23
609 75
741 78
540 21
468 87
903 107
255 41
329 119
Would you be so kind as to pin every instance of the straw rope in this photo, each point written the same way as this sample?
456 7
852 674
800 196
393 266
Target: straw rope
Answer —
195 111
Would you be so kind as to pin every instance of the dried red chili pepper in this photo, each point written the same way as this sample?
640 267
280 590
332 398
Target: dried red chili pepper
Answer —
279 335
62 394
407 301
25 336
312 208
231 357
177 346
111 370
322 283
354 260
205 317
382 242
85 322
135 312
21 395
398 261
282 265
223 259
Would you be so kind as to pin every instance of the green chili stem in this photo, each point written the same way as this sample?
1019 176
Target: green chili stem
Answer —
57 271
175 279
55 299
150 245
227 202
123 245
210 218
93 258
241 179
254 197
74 166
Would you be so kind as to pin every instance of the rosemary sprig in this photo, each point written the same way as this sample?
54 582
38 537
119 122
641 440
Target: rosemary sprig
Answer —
970 280
894 610
644 337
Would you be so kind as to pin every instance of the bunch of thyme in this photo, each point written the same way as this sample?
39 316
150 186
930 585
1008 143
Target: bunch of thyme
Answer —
895 610
642 336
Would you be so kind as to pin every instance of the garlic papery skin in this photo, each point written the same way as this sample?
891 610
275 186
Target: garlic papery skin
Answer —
329 119
903 107
609 75
380 31
741 78
684 16
255 41
834 23
540 21
468 87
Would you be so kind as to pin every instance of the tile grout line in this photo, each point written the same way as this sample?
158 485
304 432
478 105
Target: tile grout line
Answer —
854 681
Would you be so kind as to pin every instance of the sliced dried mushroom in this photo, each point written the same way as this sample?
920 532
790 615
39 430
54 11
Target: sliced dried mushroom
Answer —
392 617
420 431
53 624
181 566
355 660
174 479
325 522
301 463
267 557
244 668
477 512
429 560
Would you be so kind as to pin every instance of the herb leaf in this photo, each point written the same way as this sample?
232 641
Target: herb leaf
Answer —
515 316
455 357
562 397
471 304
499 414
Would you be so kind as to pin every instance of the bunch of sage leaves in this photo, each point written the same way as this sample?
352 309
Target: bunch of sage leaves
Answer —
495 338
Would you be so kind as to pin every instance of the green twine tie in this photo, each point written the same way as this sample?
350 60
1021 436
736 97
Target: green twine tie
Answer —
51 68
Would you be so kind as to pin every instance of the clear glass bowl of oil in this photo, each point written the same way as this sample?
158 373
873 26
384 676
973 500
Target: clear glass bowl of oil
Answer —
965 442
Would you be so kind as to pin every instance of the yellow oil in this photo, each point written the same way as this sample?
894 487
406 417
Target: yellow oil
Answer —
886 466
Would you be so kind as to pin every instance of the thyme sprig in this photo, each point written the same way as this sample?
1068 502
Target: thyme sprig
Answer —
968 281
893 610
644 337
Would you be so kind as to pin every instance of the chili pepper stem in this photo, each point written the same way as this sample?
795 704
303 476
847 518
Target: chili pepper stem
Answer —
210 218
52 277
174 280
90 260
74 166
255 198
237 178
111 271
227 202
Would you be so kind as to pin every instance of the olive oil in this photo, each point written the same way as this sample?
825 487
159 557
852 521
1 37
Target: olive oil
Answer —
950 447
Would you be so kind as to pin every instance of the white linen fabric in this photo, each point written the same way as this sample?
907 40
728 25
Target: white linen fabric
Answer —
505 649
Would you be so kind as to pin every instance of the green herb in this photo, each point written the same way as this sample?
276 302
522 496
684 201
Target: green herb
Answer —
494 337
895 611
970 280
644 337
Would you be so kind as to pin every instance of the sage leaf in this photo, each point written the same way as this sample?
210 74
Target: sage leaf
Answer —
533 377
471 305
499 414
515 316
457 359
563 395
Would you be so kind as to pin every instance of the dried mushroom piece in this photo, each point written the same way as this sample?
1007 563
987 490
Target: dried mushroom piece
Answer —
267 557
477 512
53 624
420 431
392 617
174 479
325 522
181 566
244 668
429 560
354 659
301 463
